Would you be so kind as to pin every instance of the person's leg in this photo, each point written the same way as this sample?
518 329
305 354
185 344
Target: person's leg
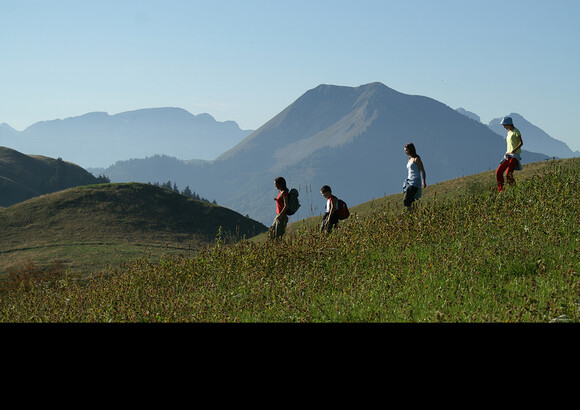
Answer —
410 195
499 174
323 227
281 226
512 164
332 222
272 229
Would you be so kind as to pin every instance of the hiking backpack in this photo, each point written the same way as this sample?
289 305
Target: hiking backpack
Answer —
342 210
293 202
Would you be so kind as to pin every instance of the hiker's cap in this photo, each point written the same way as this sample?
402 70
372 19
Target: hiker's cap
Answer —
507 121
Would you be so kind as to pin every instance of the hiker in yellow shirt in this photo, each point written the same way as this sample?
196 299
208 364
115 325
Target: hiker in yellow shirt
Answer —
511 160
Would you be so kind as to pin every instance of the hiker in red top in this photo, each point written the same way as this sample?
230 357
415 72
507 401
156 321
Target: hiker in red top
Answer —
330 218
278 227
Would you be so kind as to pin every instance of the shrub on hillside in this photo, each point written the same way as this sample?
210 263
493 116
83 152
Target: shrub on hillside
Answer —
30 275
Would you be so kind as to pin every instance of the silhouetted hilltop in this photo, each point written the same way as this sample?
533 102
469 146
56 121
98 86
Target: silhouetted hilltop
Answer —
26 176
89 227
127 212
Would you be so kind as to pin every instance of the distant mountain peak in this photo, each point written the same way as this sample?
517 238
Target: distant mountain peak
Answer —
97 139
469 114
6 129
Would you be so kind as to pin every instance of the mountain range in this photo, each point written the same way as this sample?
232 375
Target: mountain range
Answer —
350 138
98 139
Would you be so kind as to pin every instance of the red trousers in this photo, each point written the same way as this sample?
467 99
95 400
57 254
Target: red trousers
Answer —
510 164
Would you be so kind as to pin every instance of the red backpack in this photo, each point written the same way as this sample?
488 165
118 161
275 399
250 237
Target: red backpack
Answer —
342 210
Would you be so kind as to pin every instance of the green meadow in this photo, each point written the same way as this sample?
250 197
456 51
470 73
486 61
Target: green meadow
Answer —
464 254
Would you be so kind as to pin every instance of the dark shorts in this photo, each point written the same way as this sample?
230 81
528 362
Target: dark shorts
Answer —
410 195
328 224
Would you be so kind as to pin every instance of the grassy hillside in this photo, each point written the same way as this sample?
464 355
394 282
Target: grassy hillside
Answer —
89 227
447 190
478 256
26 176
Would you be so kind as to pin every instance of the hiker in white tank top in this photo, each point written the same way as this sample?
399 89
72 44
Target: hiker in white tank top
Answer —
413 184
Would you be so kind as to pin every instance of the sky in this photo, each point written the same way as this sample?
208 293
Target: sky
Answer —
247 60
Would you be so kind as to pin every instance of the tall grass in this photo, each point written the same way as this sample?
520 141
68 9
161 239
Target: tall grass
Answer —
481 257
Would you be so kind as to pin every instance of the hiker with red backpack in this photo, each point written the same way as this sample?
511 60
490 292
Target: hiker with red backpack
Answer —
336 209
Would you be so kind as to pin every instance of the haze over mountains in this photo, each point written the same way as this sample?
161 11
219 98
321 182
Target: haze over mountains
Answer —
98 139
350 138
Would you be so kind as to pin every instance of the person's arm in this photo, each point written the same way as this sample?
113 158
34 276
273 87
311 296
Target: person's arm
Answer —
517 146
333 206
422 169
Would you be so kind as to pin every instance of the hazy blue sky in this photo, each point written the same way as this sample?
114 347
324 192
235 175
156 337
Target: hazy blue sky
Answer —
247 60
